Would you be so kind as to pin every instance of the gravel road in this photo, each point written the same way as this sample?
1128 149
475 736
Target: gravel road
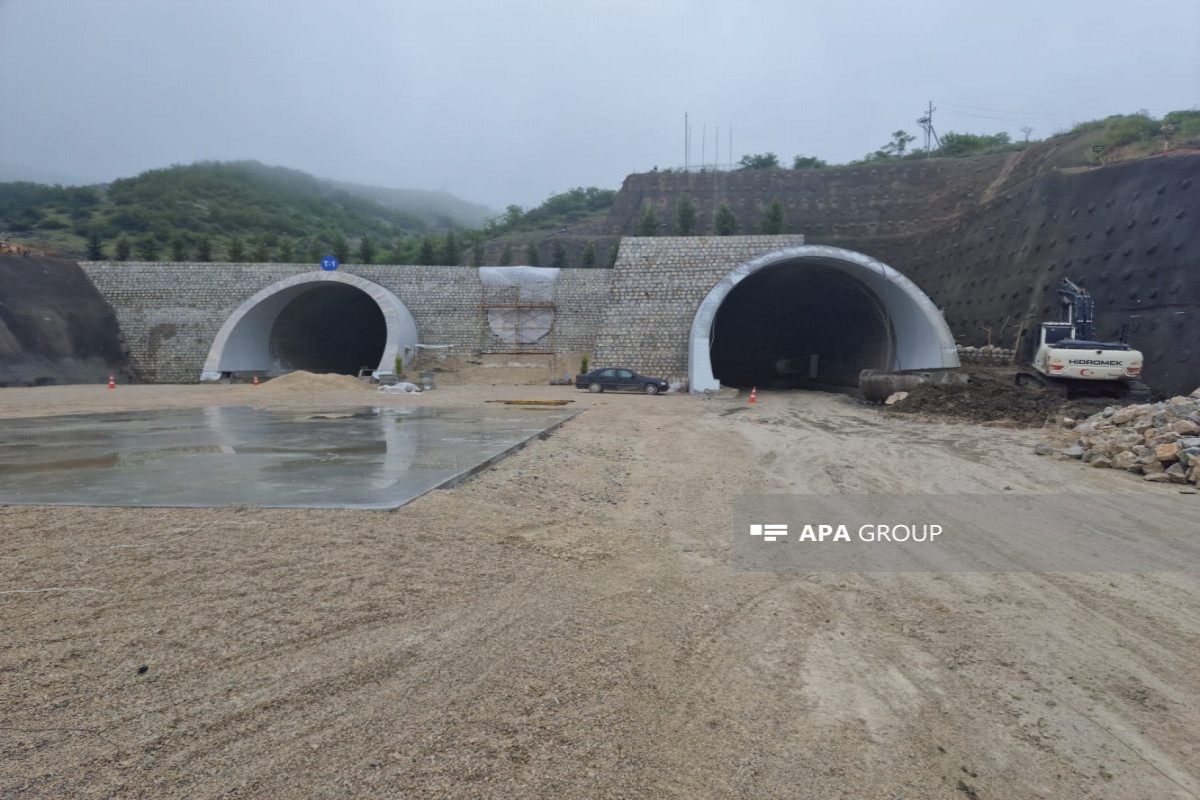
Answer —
568 624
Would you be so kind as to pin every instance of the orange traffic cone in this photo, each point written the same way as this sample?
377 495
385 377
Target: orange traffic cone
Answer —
256 380
112 383
754 395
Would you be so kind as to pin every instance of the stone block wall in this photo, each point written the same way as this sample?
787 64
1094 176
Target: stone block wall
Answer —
581 298
658 284
169 313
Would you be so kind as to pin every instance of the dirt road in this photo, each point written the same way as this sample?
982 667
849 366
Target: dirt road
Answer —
569 624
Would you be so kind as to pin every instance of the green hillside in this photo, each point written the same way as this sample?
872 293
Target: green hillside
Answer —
220 210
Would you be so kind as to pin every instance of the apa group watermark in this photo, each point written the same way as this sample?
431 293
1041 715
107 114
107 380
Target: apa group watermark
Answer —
871 532
967 533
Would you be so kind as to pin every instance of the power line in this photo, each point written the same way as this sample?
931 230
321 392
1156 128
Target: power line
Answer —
960 109
1004 111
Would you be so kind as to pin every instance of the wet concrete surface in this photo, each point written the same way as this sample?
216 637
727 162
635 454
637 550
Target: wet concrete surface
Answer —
377 458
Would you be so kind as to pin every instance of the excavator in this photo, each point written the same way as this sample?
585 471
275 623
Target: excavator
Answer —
1068 361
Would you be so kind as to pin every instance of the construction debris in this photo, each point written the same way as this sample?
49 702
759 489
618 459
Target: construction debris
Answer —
401 387
988 398
531 402
1159 441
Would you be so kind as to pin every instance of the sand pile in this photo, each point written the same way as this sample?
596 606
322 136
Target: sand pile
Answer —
301 381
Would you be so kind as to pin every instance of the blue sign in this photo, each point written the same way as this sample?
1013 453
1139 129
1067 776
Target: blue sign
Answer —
329 263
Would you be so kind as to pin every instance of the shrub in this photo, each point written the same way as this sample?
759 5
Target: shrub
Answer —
725 223
1121 130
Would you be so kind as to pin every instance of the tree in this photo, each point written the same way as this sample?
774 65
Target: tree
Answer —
647 223
236 249
260 254
428 253
725 223
287 250
477 253
772 221
588 260
451 250
808 162
95 245
759 161
204 250
366 250
531 255
178 247
341 248
506 256
147 248
896 147
124 248
558 257
512 216
685 216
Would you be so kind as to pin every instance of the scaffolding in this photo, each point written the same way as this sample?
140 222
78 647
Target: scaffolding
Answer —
518 310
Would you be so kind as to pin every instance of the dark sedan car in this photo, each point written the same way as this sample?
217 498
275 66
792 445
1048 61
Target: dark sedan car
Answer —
619 380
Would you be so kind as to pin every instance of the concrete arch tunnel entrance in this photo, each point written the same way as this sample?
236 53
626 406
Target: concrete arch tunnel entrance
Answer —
814 316
320 322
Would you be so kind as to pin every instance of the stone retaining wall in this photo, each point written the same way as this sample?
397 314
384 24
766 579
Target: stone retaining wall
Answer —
658 284
169 313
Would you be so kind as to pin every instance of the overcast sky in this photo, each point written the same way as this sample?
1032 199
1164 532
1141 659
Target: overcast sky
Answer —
509 101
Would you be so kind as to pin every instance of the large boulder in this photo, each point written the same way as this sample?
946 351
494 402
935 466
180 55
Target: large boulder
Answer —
1185 426
1176 473
1126 414
1166 453
1189 456
1122 460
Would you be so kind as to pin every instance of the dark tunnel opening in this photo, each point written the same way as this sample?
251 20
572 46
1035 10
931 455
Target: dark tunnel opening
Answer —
799 324
330 328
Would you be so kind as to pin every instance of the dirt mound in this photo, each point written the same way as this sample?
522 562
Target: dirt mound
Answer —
301 381
55 328
989 399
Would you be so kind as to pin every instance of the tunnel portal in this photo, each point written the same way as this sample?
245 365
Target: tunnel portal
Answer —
799 325
331 328
315 321
813 316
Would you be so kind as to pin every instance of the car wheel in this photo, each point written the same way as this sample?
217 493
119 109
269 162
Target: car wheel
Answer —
651 388
595 388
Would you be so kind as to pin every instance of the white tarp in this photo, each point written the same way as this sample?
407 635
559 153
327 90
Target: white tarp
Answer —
532 284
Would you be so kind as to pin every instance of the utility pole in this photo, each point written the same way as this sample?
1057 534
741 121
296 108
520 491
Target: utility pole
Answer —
926 123
685 141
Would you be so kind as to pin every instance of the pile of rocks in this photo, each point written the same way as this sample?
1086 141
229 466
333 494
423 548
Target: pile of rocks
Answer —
988 354
1160 441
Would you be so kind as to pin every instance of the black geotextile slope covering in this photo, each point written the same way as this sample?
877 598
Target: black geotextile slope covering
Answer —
54 326
1128 233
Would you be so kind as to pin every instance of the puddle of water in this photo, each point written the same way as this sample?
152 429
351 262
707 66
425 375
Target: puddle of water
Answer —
209 457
